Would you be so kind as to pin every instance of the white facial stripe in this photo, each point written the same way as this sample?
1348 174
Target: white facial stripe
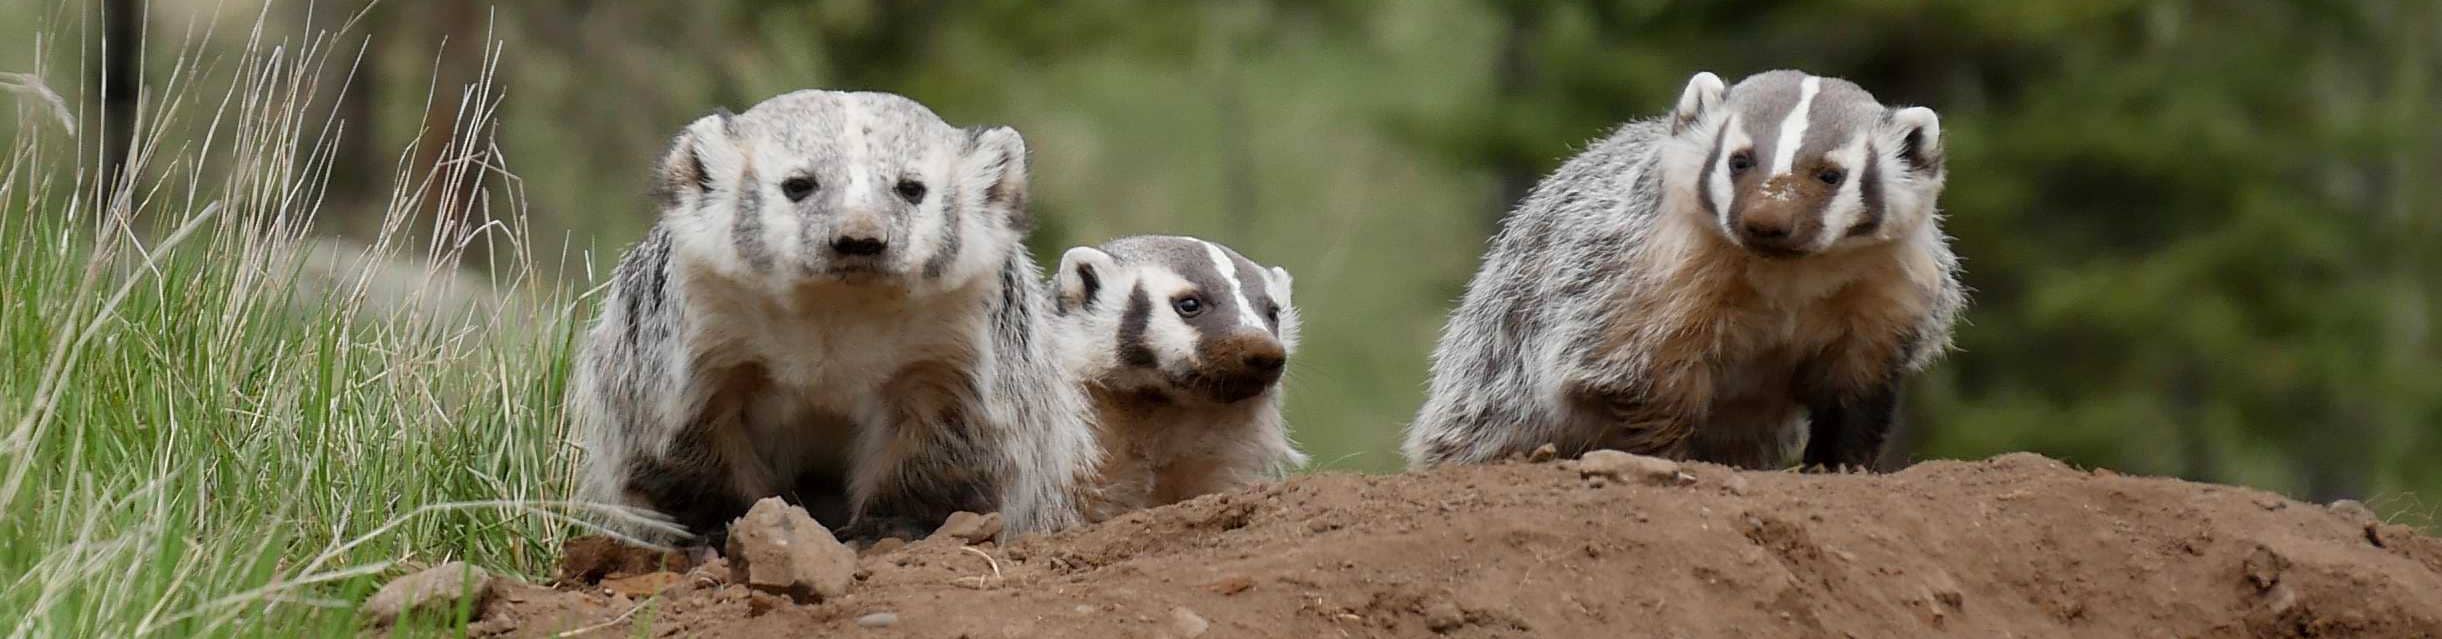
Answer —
1228 269
1733 137
1793 129
1171 339
1849 202
853 116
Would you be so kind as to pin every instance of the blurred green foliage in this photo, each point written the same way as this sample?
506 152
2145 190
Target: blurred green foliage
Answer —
2201 234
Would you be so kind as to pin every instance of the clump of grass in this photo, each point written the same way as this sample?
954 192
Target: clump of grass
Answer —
206 429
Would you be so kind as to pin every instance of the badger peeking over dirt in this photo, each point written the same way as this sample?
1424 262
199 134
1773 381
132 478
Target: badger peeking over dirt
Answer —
1758 269
836 308
1181 344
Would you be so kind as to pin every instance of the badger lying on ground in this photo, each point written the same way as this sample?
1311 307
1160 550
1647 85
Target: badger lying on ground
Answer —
1747 277
836 308
1181 344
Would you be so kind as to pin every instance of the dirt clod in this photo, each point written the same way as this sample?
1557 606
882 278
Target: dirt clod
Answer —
1443 616
1623 467
1735 484
2264 567
971 528
778 548
1186 624
430 591
592 558
886 546
878 620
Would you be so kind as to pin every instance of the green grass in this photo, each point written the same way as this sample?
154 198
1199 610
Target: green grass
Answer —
203 432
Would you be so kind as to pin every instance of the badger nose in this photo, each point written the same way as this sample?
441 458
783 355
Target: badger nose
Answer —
860 234
1265 362
1760 230
858 245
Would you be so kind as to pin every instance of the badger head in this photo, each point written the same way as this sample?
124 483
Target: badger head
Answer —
828 187
1788 164
1179 317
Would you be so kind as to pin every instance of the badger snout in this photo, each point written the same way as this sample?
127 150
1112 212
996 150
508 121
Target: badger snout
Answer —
860 236
1242 365
1777 228
854 247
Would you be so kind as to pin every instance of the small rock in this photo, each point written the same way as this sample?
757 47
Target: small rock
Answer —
644 585
715 572
1735 483
969 527
433 590
778 548
878 620
1443 616
1085 609
1624 467
1543 453
758 603
2263 567
2029 460
2356 512
1230 585
1187 624
2270 502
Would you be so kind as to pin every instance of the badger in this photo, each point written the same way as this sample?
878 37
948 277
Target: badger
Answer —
1180 344
835 307
1744 280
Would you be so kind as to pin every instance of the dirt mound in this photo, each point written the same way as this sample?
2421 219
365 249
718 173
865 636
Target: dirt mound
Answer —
2014 546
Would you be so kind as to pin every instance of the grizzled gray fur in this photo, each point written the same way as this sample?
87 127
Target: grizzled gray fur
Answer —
836 308
1744 280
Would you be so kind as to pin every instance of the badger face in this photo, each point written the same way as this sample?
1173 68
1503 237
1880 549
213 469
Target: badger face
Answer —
1788 164
1180 317
836 187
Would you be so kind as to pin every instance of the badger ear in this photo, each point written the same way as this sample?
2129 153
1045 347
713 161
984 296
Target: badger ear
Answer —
1917 132
1281 283
1702 94
701 152
1082 270
996 158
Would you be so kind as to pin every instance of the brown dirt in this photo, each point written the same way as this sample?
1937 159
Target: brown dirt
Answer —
2014 546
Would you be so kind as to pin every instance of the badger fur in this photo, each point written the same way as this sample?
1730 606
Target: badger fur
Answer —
835 307
1181 344
1746 278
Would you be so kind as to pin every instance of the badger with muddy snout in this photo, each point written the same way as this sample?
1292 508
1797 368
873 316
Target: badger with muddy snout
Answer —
1747 278
1181 344
836 307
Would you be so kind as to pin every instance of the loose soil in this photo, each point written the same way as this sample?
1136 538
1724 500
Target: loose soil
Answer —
2015 546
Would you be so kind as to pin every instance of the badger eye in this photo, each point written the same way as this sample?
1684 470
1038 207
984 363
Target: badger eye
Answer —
1741 161
1272 313
1831 177
797 188
911 190
1189 306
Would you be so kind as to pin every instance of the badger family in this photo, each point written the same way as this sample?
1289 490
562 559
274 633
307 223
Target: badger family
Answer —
1743 280
836 307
